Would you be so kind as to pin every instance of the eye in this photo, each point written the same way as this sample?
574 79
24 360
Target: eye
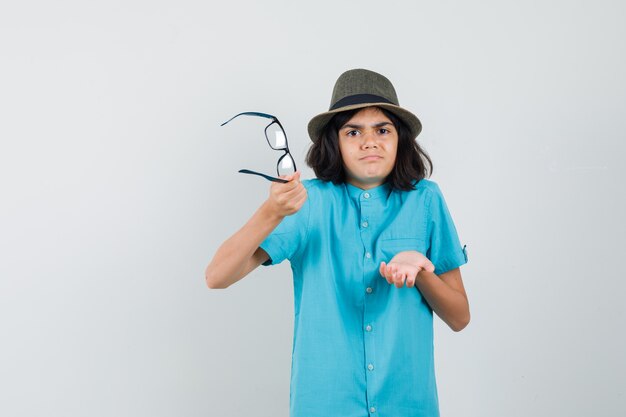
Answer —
352 133
383 130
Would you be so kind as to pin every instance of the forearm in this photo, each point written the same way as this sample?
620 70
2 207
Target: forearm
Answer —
450 304
229 262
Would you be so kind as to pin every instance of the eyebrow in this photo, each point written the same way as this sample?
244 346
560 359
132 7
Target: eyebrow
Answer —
353 126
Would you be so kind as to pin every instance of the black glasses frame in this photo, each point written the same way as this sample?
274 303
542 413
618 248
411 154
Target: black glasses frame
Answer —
285 148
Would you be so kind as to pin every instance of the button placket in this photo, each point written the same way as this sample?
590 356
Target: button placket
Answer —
366 212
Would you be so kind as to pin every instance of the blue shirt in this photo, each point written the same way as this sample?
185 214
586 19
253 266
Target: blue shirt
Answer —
362 347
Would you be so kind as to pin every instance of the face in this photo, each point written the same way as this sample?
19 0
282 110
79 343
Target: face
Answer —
368 143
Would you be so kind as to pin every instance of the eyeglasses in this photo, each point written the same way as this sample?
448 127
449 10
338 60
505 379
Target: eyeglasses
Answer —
277 139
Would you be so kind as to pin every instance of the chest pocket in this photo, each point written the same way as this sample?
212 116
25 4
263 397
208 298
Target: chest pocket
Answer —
391 246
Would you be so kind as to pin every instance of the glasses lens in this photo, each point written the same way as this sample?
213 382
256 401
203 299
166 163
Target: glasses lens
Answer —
286 166
276 136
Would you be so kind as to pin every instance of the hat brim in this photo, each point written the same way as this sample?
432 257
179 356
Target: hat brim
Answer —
318 123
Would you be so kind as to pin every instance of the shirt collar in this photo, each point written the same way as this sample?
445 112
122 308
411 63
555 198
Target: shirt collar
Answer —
358 194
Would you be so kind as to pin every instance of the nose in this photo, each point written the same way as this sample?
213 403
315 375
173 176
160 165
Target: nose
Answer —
369 140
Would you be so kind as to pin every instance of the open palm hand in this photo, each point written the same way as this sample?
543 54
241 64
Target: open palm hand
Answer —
404 267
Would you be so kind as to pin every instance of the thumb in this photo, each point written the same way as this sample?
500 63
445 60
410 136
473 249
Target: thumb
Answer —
287 177
295 177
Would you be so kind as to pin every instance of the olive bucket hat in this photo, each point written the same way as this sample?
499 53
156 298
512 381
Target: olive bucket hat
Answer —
359 88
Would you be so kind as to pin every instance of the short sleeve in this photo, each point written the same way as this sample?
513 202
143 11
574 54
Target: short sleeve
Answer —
288 238
445 250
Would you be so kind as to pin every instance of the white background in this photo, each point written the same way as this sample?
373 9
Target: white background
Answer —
117 185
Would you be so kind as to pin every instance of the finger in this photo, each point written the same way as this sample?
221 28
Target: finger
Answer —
292 181
295 182
279 189
296 194
298 203
292 178
291 190
287 177
399 280
290 202
301 190
402 279
381 268
302 198
389 274
410 280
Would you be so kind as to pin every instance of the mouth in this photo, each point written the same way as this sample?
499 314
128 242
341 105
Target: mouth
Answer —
371 158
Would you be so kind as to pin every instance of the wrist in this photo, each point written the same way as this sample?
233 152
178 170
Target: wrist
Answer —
269 212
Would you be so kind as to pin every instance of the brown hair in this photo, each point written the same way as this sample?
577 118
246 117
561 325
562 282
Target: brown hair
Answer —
412 162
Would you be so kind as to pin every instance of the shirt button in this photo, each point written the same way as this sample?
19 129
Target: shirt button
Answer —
370 367
365 224
372 409
366 195
368 328
368 255
369 290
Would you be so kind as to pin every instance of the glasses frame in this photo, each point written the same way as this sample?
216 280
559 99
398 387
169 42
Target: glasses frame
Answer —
285 148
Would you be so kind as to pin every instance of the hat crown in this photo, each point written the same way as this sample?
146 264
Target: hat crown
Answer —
362 81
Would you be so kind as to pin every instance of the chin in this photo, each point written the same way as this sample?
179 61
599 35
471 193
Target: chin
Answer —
376 176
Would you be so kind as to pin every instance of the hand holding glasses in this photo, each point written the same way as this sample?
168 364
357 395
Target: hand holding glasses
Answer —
277 139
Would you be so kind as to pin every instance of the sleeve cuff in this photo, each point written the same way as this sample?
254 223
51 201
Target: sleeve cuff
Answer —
445 265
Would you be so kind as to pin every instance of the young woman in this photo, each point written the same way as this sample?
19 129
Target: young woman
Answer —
374 252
